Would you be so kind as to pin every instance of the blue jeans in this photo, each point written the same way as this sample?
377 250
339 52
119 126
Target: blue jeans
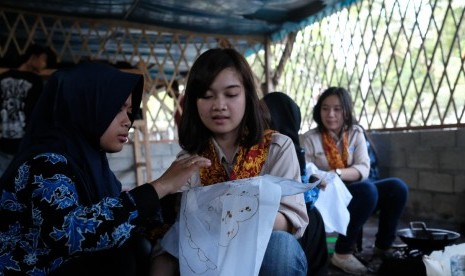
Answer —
389 196
283 256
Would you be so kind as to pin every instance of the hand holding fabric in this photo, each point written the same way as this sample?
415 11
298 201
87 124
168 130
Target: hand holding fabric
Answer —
178 174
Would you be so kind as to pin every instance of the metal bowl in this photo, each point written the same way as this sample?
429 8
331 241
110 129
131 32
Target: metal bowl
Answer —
418 236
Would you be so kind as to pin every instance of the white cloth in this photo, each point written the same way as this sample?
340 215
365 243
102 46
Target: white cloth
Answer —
225 225
333 201
438 262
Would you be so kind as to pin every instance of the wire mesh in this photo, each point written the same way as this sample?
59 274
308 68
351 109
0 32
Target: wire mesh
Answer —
402 61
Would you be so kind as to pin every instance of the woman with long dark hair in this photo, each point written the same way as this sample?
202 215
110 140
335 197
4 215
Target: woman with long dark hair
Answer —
338 145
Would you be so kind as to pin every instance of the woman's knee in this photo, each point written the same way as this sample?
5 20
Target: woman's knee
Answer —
400 185
364 192
395 188
284 253
400 189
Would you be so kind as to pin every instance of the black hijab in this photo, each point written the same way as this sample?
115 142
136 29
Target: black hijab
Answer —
76 107
285 114
286 118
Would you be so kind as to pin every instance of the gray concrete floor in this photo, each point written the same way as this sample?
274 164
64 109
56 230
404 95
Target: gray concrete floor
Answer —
369 233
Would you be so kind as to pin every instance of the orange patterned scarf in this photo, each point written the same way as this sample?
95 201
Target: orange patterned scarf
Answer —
248 163
336 160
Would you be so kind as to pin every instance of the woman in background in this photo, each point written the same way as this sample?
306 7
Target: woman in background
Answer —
338 145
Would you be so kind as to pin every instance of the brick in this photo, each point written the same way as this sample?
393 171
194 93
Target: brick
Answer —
446 206
436 182
419 202
396 159
404 140
409 176
437 138
452 159
459 184
460 140
460 210
422 159
433 206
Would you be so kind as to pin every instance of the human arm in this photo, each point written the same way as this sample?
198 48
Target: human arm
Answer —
177 175
41 206
349 174
282 161
67 226
167 188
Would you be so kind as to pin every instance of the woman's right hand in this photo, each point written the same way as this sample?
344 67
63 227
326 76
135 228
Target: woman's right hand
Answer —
316 177
178 174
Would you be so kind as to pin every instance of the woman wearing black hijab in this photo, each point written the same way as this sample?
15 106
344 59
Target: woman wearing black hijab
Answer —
286 118
62 210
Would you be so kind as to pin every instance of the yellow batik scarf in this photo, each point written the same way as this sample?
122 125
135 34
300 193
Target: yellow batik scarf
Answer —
336 160
248 163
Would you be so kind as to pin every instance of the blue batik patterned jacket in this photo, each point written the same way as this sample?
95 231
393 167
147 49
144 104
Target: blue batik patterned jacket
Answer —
38 235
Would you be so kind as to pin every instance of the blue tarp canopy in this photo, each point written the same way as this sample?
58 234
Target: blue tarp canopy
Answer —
233 17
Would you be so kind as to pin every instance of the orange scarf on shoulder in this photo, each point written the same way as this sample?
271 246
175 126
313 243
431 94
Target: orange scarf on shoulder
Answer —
336 160
248 163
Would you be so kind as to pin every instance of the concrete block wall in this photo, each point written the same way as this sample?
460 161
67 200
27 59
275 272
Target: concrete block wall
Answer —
432 163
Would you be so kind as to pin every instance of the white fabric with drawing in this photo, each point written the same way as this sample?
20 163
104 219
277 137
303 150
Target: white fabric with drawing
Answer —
226 224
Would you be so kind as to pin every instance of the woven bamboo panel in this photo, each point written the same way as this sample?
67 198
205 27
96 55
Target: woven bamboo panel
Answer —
162 56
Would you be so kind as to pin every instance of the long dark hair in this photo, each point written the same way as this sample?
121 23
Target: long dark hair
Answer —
346 102
193 134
